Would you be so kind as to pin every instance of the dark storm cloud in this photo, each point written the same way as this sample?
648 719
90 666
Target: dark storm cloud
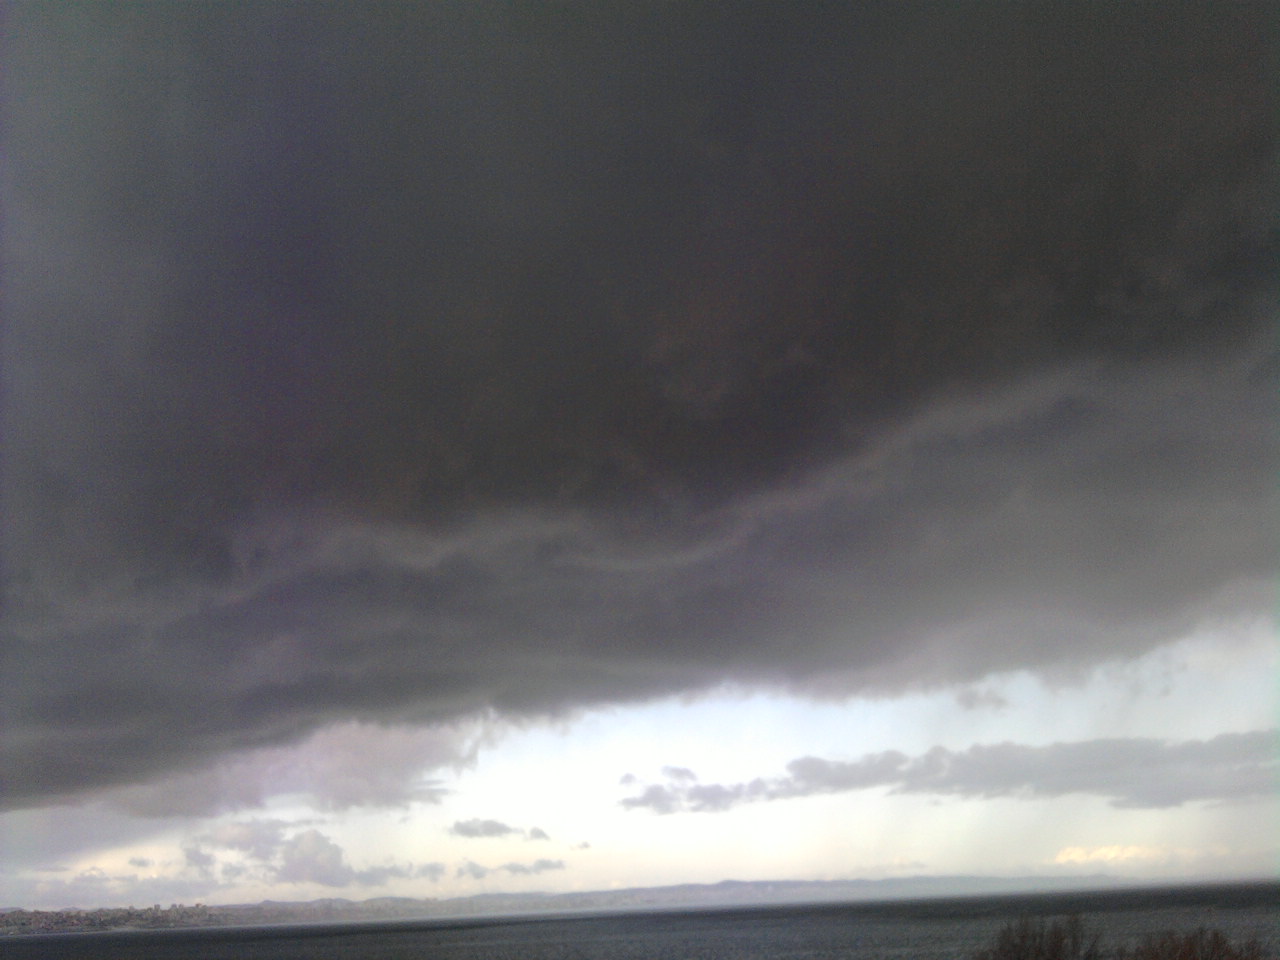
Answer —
1132 772
403 364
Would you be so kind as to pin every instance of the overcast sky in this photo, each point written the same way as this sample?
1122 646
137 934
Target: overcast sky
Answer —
469 447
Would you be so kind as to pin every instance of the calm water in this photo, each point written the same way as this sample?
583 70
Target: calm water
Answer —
922 930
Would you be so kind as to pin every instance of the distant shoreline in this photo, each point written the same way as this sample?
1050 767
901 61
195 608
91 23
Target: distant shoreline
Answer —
925 896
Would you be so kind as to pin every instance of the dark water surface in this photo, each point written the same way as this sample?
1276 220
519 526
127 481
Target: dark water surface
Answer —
923 930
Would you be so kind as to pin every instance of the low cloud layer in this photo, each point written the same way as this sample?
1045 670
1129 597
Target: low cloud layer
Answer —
512 365
277 851
214 865
1131 772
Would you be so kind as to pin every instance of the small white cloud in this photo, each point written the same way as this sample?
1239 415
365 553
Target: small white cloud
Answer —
430 871
1111 854
472 870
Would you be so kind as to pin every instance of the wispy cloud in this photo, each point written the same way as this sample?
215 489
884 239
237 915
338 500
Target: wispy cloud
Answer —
481 828
478 828
540 865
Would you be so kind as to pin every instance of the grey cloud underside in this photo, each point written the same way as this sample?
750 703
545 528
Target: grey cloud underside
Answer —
336 768
1132 772
427 363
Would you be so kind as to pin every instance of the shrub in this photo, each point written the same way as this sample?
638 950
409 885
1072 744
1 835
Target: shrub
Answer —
1028 939
1201 945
